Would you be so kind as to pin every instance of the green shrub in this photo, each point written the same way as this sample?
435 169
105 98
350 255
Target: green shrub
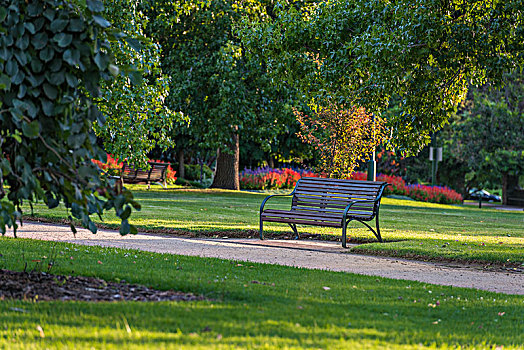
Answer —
193 172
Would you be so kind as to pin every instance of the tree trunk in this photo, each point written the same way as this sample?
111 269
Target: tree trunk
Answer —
271 162
226 173
181 164
504 189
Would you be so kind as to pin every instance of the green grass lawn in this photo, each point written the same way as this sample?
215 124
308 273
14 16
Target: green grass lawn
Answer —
289 308
411 229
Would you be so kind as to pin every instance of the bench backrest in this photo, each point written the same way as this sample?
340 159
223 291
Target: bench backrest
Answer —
333 195
157 172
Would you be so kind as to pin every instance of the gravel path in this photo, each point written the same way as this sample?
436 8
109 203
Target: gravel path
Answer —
307 254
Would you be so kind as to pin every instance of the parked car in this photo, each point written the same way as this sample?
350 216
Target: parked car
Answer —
475 193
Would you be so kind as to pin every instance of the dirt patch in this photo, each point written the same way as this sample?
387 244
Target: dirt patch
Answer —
41 286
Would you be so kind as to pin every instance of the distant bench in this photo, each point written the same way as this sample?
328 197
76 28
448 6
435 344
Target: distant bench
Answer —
328 202
516 197
157 173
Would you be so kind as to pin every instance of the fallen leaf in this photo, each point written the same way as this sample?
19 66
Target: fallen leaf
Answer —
17 309
41 331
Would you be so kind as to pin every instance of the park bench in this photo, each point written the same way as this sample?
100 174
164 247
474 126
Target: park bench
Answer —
157 173
516 197
328 202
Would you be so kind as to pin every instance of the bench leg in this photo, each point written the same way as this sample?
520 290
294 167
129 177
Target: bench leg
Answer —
294 228
379 237
344 228
261 229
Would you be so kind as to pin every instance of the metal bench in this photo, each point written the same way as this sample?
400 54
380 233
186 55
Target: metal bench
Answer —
157 173
328 202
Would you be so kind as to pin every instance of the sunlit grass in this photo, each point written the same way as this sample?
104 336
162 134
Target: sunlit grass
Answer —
288 308
411 228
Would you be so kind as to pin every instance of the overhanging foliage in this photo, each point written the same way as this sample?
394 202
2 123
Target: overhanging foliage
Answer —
53 55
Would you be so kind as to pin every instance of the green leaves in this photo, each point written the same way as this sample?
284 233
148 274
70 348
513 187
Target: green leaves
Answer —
135 102
3 13
32 129
95 5
101 21
63 40
213 80
363 52
51 53
58 25
39 41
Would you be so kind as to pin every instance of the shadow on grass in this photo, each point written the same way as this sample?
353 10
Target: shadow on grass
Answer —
274 320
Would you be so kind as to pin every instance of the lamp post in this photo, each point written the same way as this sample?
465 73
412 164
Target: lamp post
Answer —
435 155
372 164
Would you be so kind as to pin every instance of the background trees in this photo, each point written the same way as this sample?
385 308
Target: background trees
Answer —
487 136
364 52
137 116
53 55
227 96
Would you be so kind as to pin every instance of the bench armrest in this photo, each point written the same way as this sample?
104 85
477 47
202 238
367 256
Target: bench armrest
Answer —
360 201
374 201
277 195
271 196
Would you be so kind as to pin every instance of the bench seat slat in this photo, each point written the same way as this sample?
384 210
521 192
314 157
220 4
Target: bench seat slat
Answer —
302 213
325 216
324 180
351 213
335 211
303 222
339 190
334 192
327 204
332 198
338 184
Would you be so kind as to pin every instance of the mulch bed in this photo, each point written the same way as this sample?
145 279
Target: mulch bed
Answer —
41 286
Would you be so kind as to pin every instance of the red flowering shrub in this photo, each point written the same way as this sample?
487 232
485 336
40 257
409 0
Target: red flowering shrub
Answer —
397 185
358 175
170 172
434 194
110 164
267 178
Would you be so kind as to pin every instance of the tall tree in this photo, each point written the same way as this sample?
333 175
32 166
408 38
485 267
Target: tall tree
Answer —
363 52
53 54
227 96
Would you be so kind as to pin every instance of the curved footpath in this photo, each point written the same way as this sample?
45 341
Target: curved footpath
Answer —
306 254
